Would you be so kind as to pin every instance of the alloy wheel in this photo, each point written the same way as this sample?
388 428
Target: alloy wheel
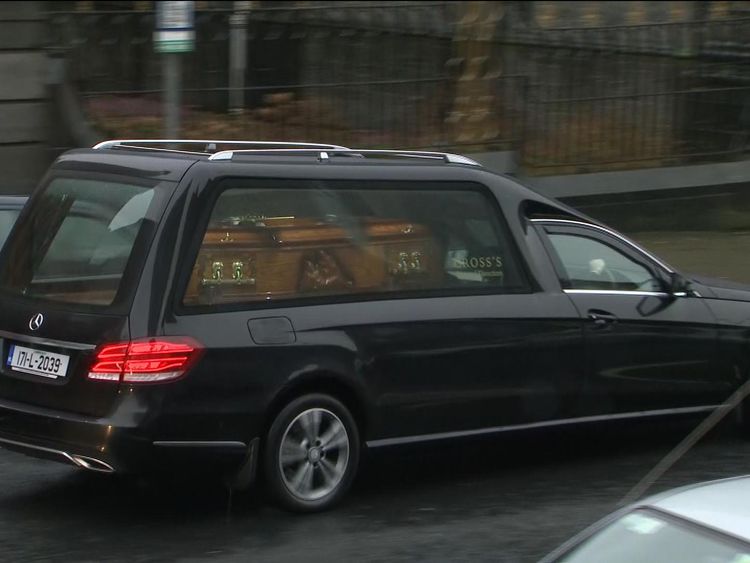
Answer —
314 454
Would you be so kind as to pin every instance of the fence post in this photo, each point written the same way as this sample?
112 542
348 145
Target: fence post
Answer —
526 133
238 55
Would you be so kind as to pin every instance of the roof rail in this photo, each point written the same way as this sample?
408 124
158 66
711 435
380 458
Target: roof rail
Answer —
325 154
209 146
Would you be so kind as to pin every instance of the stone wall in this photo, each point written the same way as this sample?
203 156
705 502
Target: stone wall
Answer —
24 105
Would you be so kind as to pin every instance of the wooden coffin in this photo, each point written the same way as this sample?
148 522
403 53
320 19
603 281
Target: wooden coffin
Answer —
295 257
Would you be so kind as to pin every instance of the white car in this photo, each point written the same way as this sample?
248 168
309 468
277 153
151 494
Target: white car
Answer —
703 523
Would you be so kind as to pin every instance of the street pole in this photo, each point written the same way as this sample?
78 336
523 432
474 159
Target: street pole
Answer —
171 98
238 56
174 34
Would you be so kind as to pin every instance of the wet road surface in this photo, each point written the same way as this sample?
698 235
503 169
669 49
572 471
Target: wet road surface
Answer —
510 498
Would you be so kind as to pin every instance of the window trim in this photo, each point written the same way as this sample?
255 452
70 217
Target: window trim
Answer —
640 250
604 236
221 184
615 292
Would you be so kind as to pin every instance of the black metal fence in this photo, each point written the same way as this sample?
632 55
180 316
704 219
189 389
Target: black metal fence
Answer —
659 128
672 39
408 76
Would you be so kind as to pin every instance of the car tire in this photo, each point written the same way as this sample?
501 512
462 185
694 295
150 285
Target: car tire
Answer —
311 453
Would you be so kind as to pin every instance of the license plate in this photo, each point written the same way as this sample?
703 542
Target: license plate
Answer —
38 362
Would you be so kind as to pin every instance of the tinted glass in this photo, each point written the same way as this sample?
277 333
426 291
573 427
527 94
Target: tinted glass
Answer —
75 242
268 244
7 219
647 537
591 264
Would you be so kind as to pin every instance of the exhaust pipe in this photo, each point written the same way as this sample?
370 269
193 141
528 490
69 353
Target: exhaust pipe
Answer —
85 462
92 464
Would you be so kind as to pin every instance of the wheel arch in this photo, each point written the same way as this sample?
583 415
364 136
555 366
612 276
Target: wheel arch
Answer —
330 383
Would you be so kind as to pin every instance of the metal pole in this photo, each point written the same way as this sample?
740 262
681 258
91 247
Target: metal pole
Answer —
171 97
238 55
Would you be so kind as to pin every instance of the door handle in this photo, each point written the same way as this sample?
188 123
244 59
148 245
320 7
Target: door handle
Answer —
601 318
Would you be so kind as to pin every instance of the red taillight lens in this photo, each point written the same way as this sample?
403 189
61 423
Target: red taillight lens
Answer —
145 361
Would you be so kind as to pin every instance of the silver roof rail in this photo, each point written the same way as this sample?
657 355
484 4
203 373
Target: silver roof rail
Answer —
325 155
209 146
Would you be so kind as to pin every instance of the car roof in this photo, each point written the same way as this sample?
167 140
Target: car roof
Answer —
172 166
170 159
722 505
157 166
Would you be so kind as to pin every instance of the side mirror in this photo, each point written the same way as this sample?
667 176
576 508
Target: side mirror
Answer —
678 285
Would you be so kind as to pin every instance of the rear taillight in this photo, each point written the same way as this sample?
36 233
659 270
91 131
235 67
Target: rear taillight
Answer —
145 361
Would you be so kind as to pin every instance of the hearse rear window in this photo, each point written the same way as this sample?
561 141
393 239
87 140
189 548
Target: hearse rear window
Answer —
274 243
75 241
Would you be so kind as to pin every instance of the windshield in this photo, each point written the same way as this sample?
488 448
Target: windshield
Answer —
646 536
77 239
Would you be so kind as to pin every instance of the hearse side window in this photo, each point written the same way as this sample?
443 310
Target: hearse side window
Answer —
593 265
271 244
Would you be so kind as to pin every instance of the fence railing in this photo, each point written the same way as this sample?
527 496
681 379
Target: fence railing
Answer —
647 129
566 99
680 39
369 114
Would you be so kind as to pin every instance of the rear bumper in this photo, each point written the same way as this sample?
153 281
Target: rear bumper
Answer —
109 445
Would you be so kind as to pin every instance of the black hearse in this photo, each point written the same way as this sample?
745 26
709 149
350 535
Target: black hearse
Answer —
283 306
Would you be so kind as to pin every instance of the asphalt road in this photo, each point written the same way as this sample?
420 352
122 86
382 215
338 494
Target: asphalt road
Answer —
504 499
